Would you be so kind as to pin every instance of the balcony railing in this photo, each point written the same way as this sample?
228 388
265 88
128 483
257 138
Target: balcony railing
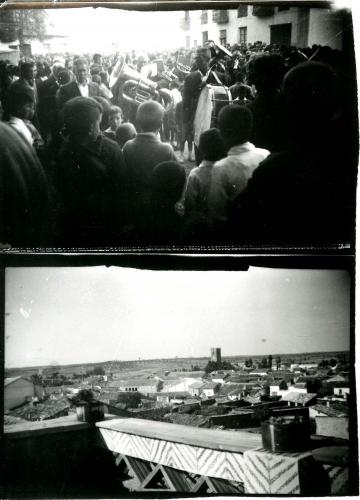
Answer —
64 458
263 11
220 16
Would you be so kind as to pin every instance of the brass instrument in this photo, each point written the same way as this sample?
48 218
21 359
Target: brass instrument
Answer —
136 89
183 68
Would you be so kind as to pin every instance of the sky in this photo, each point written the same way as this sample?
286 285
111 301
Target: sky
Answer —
92 29
84 315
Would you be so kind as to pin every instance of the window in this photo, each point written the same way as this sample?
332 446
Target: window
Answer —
205 37
204 17
243 34
242 11
222 37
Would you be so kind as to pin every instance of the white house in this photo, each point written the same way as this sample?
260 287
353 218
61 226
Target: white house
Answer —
210 389
17 391
297 26
341 389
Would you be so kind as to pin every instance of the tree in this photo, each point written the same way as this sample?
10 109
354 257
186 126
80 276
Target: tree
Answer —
19 23
270 361
248 363
333 362
99 370
37 379
131 399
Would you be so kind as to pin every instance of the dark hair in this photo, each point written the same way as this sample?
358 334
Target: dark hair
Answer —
267 72
63 77
16 98
106 108
235 124
114 110
167 181
311 90
79 114
24 68
149 116
124 133
95 77
211 145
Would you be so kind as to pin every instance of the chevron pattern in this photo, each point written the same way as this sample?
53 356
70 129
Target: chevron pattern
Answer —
339 478
266 472
193 459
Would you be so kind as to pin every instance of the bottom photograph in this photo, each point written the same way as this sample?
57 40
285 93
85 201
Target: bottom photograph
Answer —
123 382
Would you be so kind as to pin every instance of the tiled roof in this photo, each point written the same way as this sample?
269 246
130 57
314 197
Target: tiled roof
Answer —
331 411
41 411
210 385
10 380
297 397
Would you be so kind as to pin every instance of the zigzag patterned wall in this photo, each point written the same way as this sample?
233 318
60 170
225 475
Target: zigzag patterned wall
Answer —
193 459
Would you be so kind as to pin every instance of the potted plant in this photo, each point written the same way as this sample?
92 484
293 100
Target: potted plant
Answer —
88 409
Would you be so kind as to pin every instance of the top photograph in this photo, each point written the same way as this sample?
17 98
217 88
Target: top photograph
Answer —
231 130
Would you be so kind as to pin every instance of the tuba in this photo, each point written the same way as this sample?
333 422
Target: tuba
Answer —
134 88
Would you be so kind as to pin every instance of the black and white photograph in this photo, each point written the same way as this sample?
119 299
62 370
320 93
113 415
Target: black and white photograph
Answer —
124 382
130 128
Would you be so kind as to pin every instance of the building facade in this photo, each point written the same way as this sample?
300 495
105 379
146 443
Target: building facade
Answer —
296 26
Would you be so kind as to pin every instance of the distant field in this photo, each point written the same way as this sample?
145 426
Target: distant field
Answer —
148 366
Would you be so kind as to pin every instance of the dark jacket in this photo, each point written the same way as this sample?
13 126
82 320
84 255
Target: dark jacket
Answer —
71 90
24 193
141 155
47 108
90 184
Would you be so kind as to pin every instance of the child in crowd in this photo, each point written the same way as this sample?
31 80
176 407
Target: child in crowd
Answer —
115 119
199 180
125 132
143 153
231 174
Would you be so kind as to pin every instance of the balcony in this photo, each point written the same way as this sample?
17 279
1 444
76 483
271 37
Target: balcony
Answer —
185 22
64 458
220 16
263 11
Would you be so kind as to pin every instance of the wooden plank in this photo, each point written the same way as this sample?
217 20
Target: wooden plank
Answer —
235 441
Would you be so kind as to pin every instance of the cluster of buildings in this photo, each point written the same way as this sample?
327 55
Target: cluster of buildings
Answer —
290 26
223 398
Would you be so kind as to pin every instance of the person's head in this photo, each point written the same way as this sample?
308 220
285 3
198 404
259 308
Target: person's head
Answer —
267 72
104 77
311 93
125 132
211 145
202 59
63 77
28 71
115 117
20 103
56 69
81 70
97 59
167 183
235 125
106 108
149 116
96 79
82 117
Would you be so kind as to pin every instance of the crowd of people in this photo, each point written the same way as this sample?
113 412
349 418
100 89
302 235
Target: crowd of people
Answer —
83 166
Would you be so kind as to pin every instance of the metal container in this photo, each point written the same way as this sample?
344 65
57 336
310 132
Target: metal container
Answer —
90 412
288 433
